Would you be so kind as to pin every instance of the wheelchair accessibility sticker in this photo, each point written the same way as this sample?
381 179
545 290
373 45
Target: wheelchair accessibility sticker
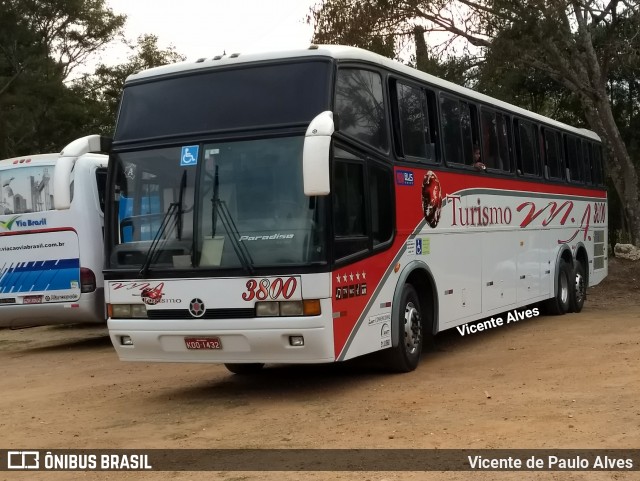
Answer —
189 155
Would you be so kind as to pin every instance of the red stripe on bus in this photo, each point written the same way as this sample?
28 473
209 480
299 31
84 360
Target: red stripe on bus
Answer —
39 231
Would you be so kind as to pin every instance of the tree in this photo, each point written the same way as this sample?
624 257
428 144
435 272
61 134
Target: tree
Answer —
41 43
579 44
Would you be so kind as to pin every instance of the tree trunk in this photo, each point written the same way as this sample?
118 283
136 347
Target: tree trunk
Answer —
621 168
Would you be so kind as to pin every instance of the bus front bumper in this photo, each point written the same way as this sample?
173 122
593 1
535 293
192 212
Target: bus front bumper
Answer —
254 343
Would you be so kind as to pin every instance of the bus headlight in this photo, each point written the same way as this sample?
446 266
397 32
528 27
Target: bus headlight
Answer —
291 308
267 309
308 307
127 311
139 311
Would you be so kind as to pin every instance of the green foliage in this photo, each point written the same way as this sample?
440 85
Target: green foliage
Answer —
41 42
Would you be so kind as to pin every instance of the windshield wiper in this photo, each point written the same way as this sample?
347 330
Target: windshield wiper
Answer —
221 211
174 208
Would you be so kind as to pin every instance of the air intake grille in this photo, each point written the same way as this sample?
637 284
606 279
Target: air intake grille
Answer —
209 314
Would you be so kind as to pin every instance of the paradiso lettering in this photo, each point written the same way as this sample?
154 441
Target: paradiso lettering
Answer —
484 215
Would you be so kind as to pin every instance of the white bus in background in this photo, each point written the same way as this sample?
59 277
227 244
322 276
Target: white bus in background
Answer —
51 237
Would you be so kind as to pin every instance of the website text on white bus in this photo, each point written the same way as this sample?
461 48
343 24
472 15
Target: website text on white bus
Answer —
51 237
316 205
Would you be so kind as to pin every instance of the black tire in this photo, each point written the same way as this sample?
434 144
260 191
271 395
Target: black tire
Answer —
579 291
244 369
561 302
405 357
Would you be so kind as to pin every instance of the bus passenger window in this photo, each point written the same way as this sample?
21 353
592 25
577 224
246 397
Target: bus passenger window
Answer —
458 122
101 184
415 130
360 106
495 141
381 203
527 148
587 156
348 206
553 156
598 174
574 161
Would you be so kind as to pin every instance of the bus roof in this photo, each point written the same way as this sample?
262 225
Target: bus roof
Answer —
28 160
44 159
344 53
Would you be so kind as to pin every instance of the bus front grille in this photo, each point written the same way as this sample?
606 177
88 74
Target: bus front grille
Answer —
238 313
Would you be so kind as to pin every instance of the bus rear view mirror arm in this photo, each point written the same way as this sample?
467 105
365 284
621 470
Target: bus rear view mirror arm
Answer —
64 166
315 155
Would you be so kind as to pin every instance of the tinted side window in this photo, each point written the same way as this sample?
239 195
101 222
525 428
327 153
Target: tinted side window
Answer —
101 184
360 106
349 221
495 140
553 153
457 130
598 173
527 148
573 152
587 156
381 202
415 131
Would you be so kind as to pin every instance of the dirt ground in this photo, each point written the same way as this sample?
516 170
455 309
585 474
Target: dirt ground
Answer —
554 382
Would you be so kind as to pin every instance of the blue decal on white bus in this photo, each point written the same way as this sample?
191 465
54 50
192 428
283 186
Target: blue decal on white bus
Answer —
35 276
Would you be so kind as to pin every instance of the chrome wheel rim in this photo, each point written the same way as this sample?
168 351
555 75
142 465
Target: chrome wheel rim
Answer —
564 289
412 329
580 288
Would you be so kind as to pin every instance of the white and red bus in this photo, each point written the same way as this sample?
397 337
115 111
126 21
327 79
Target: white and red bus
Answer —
51 237
317 205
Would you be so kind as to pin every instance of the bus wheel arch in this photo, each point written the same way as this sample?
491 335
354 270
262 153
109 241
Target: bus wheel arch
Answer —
580 279
415 295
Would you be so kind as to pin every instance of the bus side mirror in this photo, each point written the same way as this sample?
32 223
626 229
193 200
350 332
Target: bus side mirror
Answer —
66 162
315 155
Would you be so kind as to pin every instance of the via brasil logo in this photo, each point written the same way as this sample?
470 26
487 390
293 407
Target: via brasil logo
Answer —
8 223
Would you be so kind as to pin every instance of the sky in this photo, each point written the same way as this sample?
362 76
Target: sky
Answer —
205 28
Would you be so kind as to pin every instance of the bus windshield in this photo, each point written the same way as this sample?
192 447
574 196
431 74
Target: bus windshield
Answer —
235 205
26 189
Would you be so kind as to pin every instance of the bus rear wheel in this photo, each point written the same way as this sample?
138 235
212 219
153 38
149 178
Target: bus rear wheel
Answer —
561 302
406 355
579 294
245 369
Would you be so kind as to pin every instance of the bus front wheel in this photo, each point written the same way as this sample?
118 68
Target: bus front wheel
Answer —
239 368
406 355
561 302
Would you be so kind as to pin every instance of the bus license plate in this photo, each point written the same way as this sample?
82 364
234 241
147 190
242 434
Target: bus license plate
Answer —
32 300
203 343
